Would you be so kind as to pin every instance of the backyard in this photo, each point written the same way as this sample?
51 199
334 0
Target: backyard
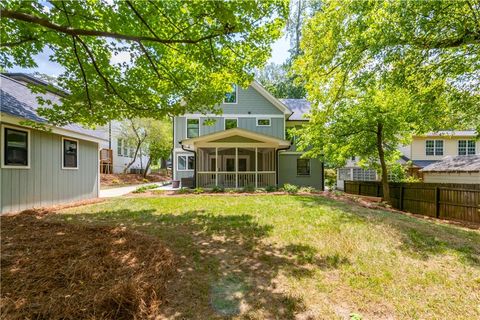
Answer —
256 257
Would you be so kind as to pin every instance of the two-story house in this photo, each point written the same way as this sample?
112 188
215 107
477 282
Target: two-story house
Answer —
244 145
421 152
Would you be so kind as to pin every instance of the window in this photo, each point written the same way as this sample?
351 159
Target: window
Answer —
231 123
434 147
263 122
360 174
16 146
70 154
466 147
119 147
231 97
192 128
344 174
185 163
303 167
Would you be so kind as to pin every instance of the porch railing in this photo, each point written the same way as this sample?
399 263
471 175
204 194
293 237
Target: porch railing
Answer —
227 179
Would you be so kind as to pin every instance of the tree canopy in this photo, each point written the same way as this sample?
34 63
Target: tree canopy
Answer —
378 72
182 55
278 80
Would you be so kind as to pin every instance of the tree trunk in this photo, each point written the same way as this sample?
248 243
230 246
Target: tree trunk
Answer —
139 143
381 156
147 167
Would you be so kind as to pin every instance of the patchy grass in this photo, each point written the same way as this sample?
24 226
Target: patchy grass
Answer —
299 256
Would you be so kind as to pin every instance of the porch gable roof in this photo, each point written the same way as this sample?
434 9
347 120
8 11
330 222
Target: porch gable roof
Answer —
231 136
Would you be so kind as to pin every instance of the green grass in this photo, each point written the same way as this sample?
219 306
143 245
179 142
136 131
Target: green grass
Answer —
287 256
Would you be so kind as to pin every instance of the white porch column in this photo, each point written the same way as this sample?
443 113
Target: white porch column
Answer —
216 166
256 167
236 167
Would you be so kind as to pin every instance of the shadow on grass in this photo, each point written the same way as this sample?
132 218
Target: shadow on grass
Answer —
421 238
224 265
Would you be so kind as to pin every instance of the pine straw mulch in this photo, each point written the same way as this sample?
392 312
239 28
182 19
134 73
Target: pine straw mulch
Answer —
121 179
54 270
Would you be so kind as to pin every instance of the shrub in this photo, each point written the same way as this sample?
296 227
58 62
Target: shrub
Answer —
115 181
145 180
248 188
307 190
198 190
260 190
290 188
270 188
183 191
144 189
218 189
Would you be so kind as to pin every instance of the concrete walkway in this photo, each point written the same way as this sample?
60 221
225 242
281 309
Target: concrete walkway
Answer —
117 192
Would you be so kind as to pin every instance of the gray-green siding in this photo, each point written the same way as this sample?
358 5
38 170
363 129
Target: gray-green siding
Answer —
250 102
45 183
287 172
276 128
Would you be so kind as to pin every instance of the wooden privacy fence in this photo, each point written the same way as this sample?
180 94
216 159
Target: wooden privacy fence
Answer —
440 200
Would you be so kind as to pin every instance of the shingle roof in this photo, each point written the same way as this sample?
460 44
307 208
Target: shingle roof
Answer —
423 163
18 100
455 164
299 108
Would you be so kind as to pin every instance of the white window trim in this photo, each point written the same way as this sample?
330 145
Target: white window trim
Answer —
466 147
186 163
225 122
264 125
186 126
435 147
236 97
29 147
63 153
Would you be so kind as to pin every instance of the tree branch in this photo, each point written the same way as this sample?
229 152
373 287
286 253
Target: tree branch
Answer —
17 43
105 34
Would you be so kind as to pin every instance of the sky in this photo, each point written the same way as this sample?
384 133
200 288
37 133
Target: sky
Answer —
279 55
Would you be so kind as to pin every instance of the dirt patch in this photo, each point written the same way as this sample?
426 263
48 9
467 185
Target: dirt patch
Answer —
117 180
54 270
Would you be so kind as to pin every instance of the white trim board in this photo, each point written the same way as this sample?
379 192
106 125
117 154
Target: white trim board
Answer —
63 153
29 147
9 119
230 115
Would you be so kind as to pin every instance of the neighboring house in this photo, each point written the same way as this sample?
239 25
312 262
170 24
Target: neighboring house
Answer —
422 152
243 146
453 169
122 152
42 167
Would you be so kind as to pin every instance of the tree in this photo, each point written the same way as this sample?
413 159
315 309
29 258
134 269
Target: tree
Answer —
279 82
180 55
159 142
379 71
133 132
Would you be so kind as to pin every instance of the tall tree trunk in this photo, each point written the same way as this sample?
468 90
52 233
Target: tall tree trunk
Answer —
381 156
149 162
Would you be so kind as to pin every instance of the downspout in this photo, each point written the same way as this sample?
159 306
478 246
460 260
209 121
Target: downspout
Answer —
277 161
194 165
323 177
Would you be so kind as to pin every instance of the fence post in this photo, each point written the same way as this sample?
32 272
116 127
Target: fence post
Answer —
437 202
400 200
359 188
378 190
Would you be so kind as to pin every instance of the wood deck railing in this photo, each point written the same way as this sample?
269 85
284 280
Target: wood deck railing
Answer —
228 179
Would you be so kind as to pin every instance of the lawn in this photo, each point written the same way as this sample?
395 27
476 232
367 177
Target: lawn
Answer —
296 256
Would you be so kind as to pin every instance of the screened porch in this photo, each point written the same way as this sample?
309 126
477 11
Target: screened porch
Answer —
235 167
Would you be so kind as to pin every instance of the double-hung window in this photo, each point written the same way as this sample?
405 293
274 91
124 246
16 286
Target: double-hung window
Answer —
303 167
16 148
70 154
434 147
231 123
185 163
193 128
231 96
466 147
